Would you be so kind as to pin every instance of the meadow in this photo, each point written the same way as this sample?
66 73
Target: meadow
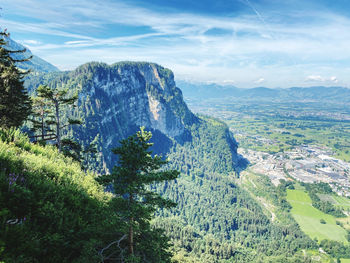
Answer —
309 218
336 200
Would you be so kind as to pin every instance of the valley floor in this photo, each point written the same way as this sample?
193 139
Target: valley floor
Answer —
282 144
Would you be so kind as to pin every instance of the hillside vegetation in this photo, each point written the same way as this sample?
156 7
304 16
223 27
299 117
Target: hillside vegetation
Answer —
52 211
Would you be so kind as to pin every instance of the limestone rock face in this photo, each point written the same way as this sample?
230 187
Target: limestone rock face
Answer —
137 94
115 100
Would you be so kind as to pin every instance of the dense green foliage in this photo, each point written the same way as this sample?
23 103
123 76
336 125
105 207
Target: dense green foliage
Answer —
215 219
15 104
335 248
52 211
61 214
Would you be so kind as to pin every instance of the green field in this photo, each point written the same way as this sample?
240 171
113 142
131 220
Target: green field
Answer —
309 218
336 200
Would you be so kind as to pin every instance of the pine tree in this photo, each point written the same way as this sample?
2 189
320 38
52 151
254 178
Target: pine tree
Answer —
15 104
41 119
130 180
58 99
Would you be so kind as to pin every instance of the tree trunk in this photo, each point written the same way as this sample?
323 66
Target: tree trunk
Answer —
42 129
131 237
58 125
131 230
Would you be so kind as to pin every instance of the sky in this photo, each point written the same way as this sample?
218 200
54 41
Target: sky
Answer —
245 43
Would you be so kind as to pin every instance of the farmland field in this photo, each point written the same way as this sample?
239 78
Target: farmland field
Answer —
309 218
338 201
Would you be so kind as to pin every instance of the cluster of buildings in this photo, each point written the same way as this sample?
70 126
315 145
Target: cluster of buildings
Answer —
305 163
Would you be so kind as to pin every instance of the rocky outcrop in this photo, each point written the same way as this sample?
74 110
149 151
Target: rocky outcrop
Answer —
145 94
129 95
115 100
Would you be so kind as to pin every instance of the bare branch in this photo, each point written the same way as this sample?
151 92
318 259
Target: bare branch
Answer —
111 244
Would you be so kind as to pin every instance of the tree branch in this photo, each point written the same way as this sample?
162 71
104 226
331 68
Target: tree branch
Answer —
111 244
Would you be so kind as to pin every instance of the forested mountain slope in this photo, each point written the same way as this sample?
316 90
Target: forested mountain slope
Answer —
114 101
216 220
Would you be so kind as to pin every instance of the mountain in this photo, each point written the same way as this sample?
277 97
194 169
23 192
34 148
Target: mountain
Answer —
203 91
216 220
35 64
114 101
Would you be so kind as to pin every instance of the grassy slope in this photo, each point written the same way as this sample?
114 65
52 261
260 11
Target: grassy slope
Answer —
309 218
66 213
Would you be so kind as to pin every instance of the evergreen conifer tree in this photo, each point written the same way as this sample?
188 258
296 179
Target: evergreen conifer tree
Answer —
41 119
58 99
15 104
137 170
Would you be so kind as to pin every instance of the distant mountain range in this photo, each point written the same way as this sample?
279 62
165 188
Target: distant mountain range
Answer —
214 91
35 64
202 91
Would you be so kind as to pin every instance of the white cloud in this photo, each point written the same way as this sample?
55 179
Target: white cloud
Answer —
281 52
318 78
31 42
334 79
315 78
260 80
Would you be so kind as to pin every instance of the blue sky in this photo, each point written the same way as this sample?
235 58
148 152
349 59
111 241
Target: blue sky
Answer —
246 43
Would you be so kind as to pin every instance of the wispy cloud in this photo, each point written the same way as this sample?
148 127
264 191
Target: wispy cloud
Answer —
315 78
259 81
31 42
284 48
318 78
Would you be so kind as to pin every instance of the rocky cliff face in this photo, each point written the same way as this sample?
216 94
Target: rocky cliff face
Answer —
137 94
114 101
